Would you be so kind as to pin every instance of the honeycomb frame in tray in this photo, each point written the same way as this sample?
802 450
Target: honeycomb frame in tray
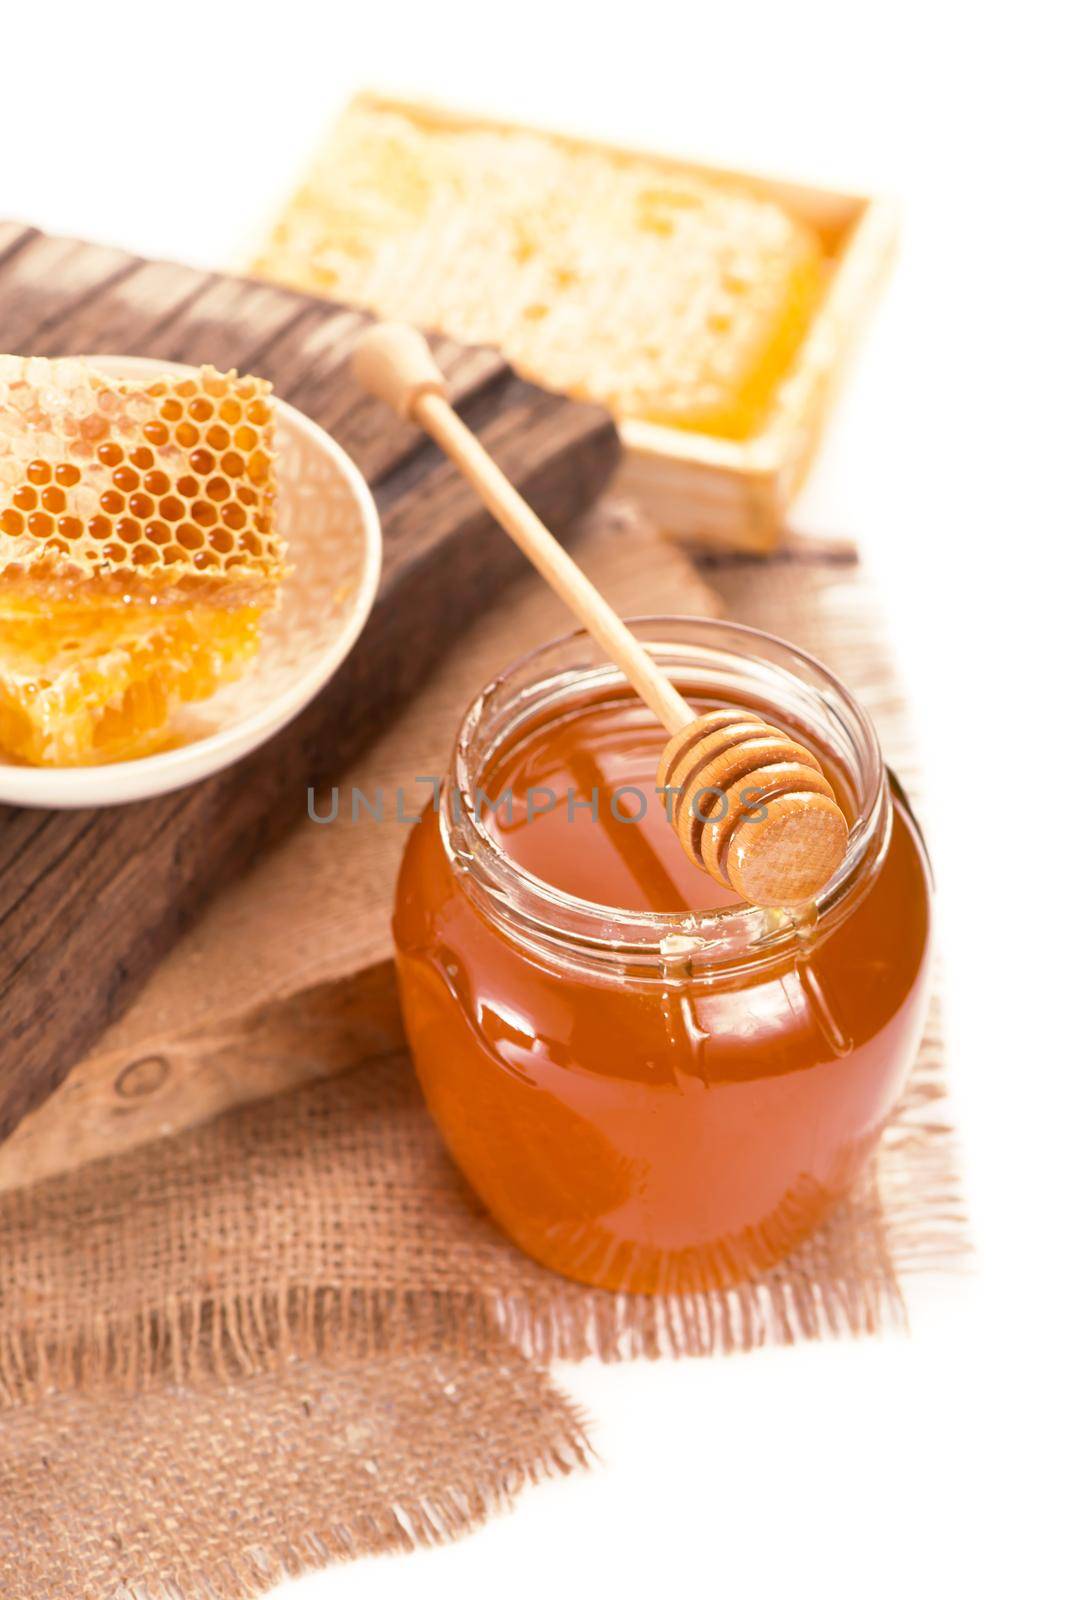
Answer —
675 302
726 490
135 488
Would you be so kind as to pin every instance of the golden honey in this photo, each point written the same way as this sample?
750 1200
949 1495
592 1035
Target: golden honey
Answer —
93 685
652 1087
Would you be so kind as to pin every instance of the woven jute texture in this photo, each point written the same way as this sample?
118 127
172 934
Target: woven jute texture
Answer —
292 1335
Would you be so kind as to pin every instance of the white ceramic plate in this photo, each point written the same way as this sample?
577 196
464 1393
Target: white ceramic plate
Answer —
328 517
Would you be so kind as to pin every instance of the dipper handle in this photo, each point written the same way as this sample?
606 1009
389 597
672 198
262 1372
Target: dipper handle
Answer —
394 363
780 832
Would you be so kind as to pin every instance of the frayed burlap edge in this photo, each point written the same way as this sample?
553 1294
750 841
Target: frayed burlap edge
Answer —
423 1523
200 1338
905 1217
224 1492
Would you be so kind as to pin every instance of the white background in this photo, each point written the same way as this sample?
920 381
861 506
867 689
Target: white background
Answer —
900 1467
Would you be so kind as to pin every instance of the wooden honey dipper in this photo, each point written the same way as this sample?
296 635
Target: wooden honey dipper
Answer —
773 831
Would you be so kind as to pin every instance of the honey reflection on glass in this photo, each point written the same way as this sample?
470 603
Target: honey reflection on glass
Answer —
665 1130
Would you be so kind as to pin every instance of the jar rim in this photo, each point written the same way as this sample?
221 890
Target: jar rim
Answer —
552 920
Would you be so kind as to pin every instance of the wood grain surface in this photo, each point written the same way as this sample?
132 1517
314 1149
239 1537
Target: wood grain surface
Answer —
90 901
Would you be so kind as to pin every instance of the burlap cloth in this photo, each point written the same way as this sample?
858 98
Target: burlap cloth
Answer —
292 1335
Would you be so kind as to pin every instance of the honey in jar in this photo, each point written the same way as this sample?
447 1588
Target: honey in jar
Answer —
652 1086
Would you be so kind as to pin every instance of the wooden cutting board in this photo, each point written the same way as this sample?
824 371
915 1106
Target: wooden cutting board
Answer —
91 901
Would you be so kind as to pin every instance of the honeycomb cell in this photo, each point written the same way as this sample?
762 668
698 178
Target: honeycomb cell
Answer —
147 464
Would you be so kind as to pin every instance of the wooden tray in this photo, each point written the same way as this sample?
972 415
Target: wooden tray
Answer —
91 901
723 491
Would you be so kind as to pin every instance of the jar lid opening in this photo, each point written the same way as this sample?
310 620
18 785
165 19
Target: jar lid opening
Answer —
739 664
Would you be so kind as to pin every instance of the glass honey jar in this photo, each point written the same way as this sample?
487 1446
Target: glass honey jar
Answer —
652 1086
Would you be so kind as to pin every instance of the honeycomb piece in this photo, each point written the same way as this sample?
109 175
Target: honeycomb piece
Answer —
664 293
141 489
138 551
84 688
